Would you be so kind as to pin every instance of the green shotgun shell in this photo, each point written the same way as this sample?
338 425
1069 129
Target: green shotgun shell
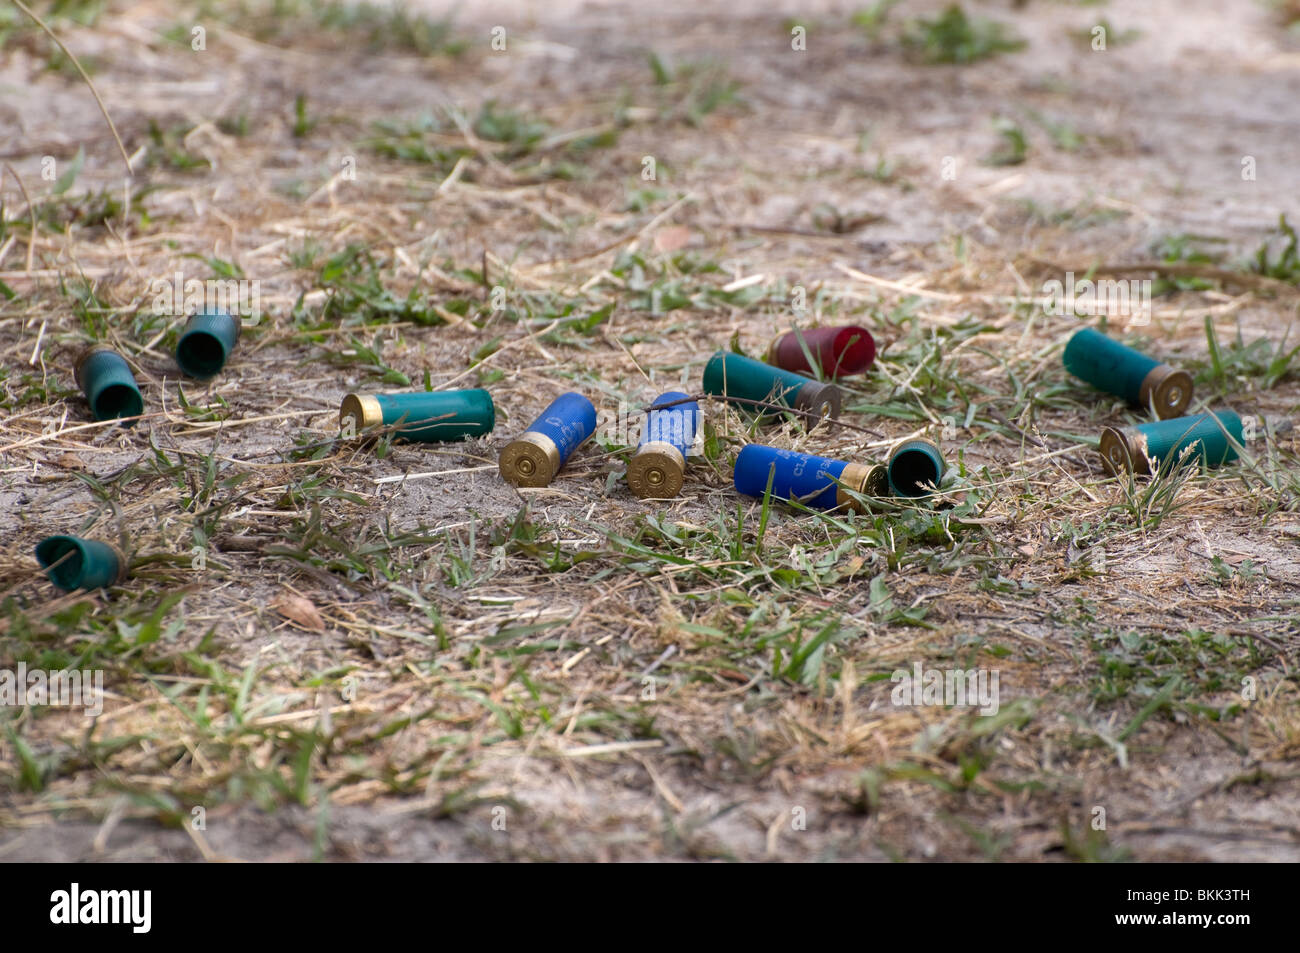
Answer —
206 342
1118 369
914 466
743 380
74 563
106 379
439 416
1133 449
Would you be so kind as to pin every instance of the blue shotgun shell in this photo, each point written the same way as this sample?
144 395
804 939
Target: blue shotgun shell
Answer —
913 466
536 455
816 482
74 563
658 467
106 379
206 342
1120 370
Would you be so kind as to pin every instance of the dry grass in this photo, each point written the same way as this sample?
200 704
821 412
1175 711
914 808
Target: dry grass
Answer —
405 657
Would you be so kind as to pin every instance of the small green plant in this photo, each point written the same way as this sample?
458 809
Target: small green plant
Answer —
302 123
1286 266
1014 144
1102 35
1261 363
871 20
955 38
693 90
509 127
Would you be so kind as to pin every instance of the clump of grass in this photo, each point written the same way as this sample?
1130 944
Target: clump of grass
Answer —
392 27
17 26
517 131
1111 36
167 148
953 37
1286 266
1188 249
358 294
871 20
1260 363
694 89
1015 145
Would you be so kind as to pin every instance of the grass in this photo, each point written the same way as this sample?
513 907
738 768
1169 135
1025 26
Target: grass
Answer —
709 660
955 38
372 27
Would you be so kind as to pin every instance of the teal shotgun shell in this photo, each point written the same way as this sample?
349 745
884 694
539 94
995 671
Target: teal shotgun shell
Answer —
536 455
105 378
206 342
73 563
1124 372
1133 449
658 468
439 416
745 381
914 466
816 482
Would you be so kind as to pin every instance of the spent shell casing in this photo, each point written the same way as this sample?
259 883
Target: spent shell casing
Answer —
74 563
1135 449
535 456
658 467
110 388
1120 370
439 416
206 342
836 352
816 482
747 382
914 466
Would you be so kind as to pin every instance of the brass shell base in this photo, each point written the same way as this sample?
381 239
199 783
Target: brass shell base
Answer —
1169 389
364 410
1122 451
818 402
656 471
531 460
864 479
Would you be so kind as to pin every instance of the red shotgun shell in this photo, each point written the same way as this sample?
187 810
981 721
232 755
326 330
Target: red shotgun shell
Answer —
839 351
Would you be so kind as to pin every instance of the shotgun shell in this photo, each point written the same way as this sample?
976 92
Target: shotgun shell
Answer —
658 467
729 376
536 455
74 563
837 352
815 482
1124 372
105 378
1128 448
206 342
439 416
914 466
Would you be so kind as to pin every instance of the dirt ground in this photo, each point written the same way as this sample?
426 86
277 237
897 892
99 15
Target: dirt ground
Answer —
346 651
